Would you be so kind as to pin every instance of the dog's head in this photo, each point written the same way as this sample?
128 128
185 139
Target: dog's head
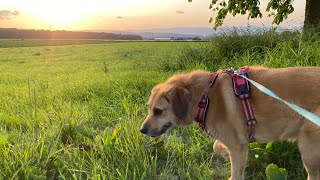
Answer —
168 106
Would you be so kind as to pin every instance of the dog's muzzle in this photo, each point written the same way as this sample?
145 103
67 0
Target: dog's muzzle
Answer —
153 133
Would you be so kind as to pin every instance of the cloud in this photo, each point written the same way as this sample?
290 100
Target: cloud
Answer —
119 17
180 12
6 14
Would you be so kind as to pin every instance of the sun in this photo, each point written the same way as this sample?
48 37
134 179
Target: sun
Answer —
62 18
60 12
67 12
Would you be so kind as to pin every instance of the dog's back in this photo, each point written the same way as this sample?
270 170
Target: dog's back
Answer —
297 85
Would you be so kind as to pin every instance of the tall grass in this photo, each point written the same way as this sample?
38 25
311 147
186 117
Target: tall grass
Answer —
267 49
73 112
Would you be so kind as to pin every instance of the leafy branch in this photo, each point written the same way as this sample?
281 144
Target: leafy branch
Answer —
279 9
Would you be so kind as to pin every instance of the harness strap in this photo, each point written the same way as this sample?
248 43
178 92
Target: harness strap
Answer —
204 102
308 115
242 90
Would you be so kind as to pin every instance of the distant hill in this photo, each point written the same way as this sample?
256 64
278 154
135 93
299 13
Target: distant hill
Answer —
13 33
148 34
153 35
191 32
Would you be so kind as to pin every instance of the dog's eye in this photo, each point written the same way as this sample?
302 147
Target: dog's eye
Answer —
157 111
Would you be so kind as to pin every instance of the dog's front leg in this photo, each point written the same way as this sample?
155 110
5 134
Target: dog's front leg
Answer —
221 149
238 158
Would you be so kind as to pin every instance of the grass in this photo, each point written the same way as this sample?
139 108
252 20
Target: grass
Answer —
46 42
74 111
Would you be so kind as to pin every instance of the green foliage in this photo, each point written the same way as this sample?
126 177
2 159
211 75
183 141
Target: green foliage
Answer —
13 33
273 172
282 7
284 154
264 48
279 9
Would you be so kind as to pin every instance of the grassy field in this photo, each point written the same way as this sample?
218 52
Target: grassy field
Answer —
74 111
4 43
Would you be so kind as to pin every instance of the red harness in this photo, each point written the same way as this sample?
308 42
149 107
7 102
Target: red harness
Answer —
204 102
241 89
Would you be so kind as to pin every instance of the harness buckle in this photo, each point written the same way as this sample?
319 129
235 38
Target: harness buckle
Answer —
251 122
243 92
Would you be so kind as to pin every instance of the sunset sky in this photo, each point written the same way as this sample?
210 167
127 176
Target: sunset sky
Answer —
122 14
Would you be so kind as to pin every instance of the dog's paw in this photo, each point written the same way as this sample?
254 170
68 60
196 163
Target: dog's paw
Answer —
221 150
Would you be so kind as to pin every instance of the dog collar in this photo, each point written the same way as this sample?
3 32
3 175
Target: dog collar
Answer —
204 102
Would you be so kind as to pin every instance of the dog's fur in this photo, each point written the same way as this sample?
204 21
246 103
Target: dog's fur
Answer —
175 103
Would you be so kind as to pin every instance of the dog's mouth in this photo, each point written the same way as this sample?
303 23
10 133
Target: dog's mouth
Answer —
163 130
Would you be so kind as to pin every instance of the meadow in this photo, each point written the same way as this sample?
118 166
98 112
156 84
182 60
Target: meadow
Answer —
74 111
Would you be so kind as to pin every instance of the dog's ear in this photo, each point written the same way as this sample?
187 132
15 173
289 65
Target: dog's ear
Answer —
179 97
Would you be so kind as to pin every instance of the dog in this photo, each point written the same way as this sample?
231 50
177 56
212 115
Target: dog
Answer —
174 103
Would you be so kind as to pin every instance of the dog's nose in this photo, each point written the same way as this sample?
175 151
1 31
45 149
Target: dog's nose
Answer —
144 130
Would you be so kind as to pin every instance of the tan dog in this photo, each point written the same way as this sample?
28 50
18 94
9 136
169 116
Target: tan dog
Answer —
175 103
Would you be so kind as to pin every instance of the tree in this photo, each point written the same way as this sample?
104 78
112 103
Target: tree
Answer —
278 9
312 14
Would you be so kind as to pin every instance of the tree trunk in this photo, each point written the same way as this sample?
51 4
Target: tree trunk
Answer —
312 14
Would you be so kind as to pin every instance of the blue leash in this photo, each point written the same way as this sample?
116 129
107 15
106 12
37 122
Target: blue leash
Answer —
312 117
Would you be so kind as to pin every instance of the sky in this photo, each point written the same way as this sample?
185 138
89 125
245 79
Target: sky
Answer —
123 14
